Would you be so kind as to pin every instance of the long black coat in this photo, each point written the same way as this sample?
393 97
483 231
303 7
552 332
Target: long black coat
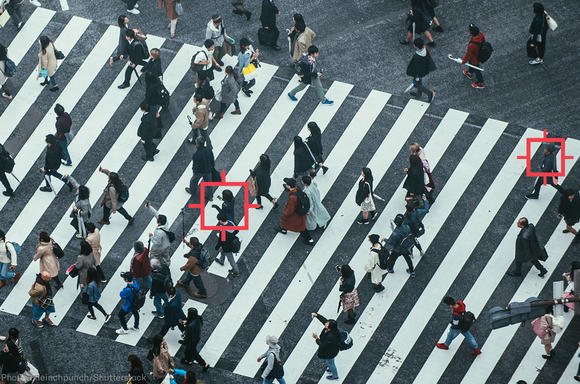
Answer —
415 181
153 93
53 156
269 12
173 311
137 52
193 333
527 246
12 358
154 66
263 180
327 342
302 159
148 127
315 145
418 66
570 209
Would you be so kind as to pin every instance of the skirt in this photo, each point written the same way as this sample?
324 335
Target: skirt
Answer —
349 300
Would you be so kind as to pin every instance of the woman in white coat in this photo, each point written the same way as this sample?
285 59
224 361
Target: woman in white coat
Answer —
373 264
317 215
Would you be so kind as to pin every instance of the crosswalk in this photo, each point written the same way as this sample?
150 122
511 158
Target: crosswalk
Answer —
282 280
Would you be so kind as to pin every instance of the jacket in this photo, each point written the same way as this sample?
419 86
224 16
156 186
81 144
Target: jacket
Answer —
84 205
4 259
13 357
128 296
570 209
47 60
193 333
348 285
84 262
226 245
94 239
63 124
229 209
123 46
160 280
302 159
308 71
549 163
192 265
169 8
153 94
418 66
373 268
527 245
317 216
268 15
173 311
53 156
456 314
473 49
327 341
415 181
273 353
137 52
302 43
162 362
263 179
538 28
203 161
93 290
230 89
148 127
140 264
394 241
292 221
160 240
315 144
154 66
215 34
201 116
48 261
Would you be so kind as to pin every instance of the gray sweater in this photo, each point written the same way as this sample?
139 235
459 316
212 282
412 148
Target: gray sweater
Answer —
159 241
83 205
270 354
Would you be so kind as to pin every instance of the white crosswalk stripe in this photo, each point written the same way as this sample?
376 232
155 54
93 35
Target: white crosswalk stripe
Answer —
571 370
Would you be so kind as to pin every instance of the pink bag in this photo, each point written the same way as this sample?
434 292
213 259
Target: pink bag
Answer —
568 295
537 326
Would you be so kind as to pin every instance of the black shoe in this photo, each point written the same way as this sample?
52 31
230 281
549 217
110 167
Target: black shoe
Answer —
404 42
324 170
45 189
54 89
362 221
531 196
373 215
8 193
281 230
19 27
221 63
413 93
276 47
123 86
543 272
276 205
217 69
550 355
219 261
233 273
246 92
513 274
248 15
131 220
146 158
438 29
156 151
45 82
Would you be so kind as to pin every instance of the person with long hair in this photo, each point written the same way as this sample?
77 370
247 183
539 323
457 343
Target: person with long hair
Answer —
160 357
194 323
85 261
153 88
328 342
246 56
228 205
93 289
3 78
419 67
538 31
314 142
416 149
52 163
122 51
47 63
112 198
318 216
81 212
229 93
300 37
154 63
136 372
373 264
94 239
13 355
349 294
48 261
415 181
303 161
263 181
364 196
8 263
417 18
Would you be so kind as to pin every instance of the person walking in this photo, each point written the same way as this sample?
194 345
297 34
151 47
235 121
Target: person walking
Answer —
569 209
6 166
13 358
457 311
400 243
174 315
63 132
85 261
122 51
428 8
148 129
364 197
129 296
349 294
114 196
420 65
416 209
528 249
239 9
310 74
81 212
268 20
216 32
153 93
137 55
52 164
201 123
314 143
8 261
418 24
132 6
328 342
229 93
48 261
301 38
415 181
92 288
171 13
141 267
538 31
202 165
94 239
317 216
548 165
247 56
153 65
228 205
3 78
263 181
161 359
303 161
416 149
41 297
194 267
373 264
47 63
476 39
544 327
137 372
194 322
160 282
206 61
160 243
13 9
272 358
291 220
227 246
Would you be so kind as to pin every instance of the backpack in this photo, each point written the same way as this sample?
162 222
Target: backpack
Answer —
170 235
417 228
165 97
302 203
277 371
58 252
6 160
203 257
345 341
138 298
408 242
236 244
9 68
485 51
383 257
466 320
196 67
206 90
17 248
124 194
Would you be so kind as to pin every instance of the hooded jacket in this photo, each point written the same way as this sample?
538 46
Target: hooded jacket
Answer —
456 314
271 354
128 295
473 49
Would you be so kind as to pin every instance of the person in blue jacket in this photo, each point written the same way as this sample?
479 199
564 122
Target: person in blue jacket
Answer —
174 315
398 245
128 294
93 289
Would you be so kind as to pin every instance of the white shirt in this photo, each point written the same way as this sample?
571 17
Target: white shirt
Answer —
201 56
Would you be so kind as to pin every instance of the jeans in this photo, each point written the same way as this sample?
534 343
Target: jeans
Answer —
121 210
37 312
197 281
331 367
454 332
317 86
395 256
224 106
5 272
65 155
270 381
123 319
549 181
231 260
157 303
145 283
195 179
478 74
4 181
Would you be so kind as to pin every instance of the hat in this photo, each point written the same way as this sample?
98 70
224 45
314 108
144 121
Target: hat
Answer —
399 220
272 341
127 276
374 238
290 181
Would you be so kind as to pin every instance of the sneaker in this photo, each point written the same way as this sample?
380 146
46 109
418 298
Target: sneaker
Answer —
476 352
38 323
233 273
123 86
199 295
438 29
390 271
531 196
79 236
442 346
136 5
362 221
467 74
6 95
478 85
160 317
36 3
54 88
535 61
404 42
331 377
565 231
293 98
328 102
91 317
133 11
219 262
281 230
411 273
122 331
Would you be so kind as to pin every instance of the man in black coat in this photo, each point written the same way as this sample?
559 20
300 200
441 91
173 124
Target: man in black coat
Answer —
147 131
528 249
52 164
418 68
137 55
6 165
268 19
548 165
174 315
569 208
202 164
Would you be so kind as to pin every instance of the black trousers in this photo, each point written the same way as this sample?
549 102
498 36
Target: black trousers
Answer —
4 181
192 354
107 213
53 172
259 198
395 256
535 263
149 147
421 88
166 327
129 70
275 33
123 318
98 306
540 182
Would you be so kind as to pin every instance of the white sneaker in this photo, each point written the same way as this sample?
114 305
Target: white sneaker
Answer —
134 11
136 5
134 329
35 3
121 331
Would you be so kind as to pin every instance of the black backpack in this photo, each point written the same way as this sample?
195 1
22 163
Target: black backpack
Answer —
417 228
302 203
383 257
407 242
345 341
165 97
170 235
6 160
124 194
138 298
466 320
485 51
196 67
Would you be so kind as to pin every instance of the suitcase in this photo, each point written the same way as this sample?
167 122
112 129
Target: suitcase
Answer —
266 36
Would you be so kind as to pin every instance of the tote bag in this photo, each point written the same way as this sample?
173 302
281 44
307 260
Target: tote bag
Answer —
551 22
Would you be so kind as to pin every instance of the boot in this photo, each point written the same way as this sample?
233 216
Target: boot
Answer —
442 346
218 116
324 170
237 112
543 272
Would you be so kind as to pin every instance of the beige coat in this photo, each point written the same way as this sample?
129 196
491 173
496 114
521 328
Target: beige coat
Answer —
37 292
163 362
201 113
94 239
47 60
48 261
169 8
302 42
373 267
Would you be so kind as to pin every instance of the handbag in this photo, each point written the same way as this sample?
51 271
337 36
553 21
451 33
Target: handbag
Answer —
250 68
84 298
58 252
72 271
178 9
252 186
45 302
551 22
44 73
58 54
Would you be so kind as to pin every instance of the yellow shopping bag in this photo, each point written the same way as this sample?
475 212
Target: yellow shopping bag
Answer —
249 69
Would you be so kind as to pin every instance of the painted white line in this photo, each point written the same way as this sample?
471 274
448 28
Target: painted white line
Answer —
494 270
571 369
64 5
29 34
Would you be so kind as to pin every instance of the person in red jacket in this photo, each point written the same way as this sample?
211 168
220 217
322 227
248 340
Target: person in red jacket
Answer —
292 221
475 41
457 309
141 266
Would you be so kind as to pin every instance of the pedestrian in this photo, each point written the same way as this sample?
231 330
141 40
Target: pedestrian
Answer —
202 165
417 24
419 66
81 212
364 197
544 327
3 78
549 165
92 288
416 209
13 357
94 239
227 247
63 132
206 61
6 166
271 368
132 6
8 261
528 249
41 297
457 311
114 196
129 296
48 261
194 322
577 377
568 288
317 216
137 373
13 9
85 261
160 282
160 241
141 266
428 8
137 54
263 181
416 149
268 20
373 265
291 220
229 93
174 315
47 63
314 143
247 61
153 65
349 294
400 243
122 51
239 9
153 92
148 129
228 205
538 31
201 123
216 32
569 208
301 38
476 39
161 359
171 13
310 73
328 343
194 267
415 180
52 164
304 163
